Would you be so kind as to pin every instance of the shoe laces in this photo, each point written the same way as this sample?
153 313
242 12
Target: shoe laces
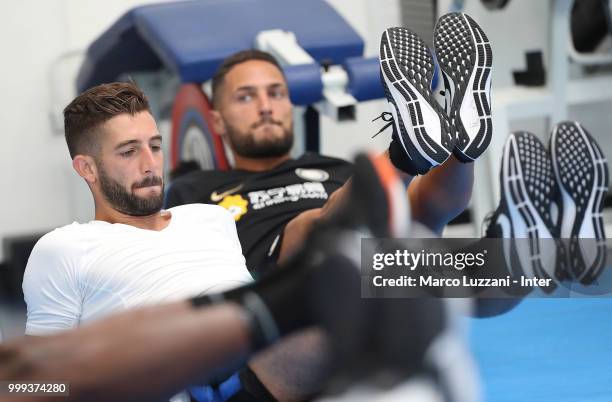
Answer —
388 118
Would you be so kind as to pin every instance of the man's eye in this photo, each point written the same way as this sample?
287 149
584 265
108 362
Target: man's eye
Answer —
278 94
245 98
127 154
156 148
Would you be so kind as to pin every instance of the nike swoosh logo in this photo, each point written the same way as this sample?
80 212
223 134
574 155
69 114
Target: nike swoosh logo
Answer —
216 197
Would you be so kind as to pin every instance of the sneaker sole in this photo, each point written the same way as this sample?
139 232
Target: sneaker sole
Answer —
465 57
581 171
527 182
407 70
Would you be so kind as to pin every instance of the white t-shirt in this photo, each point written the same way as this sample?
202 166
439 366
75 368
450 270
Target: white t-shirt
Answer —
82 272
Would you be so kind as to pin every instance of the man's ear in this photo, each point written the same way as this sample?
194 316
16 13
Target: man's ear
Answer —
86 167
218 123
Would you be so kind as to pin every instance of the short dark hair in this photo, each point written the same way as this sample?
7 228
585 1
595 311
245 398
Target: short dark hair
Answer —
88 111
239 58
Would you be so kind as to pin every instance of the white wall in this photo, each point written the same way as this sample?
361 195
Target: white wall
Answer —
39 191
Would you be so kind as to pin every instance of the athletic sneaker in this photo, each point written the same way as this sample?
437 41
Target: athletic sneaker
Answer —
465 57
422 136
581 171
529 206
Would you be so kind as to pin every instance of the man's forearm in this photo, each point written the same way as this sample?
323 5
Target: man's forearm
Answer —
141 355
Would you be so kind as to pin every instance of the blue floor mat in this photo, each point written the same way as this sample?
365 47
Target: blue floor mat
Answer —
546 350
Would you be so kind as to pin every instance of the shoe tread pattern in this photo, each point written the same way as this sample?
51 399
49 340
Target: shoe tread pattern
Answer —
582 170
459 52
540 188
407 62
538 176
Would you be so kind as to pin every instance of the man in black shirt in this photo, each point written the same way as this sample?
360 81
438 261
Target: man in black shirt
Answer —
275 199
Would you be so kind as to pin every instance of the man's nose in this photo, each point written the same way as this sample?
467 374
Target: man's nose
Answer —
265 107
148 161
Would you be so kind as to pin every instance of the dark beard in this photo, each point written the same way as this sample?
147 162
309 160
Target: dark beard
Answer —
246 146
128 203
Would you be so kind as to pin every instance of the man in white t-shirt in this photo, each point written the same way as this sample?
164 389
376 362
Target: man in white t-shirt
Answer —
82 272
133 253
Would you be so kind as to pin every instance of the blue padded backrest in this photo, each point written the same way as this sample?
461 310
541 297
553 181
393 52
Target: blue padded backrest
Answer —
193 37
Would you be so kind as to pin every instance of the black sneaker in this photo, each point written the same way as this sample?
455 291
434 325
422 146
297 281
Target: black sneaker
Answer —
422 137
465 58
530 204
581 171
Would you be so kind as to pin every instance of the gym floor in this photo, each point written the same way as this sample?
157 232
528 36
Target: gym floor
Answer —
546 350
